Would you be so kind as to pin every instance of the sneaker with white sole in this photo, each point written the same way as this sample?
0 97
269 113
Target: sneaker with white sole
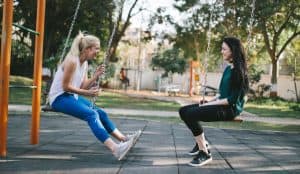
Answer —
200 159
134 135
122 149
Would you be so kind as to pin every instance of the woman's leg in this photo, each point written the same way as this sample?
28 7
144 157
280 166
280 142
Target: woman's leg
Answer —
66 103
193 114
107 123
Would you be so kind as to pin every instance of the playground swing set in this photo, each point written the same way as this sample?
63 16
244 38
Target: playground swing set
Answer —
38 57
37 76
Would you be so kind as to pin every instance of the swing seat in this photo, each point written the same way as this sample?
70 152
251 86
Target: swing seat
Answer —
237 120
48 108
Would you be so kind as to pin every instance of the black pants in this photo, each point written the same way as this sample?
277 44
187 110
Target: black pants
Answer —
125 80
193 114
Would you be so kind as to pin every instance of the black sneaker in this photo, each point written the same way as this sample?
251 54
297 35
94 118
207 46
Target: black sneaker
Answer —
195 150
200 159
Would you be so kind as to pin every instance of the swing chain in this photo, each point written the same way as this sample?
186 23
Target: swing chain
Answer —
107 54
250 26
69 32
208 48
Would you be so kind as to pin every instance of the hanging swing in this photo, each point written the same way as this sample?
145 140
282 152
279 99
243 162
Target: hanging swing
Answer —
106 56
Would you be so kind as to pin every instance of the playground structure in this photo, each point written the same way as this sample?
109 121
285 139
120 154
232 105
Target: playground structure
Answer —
37 76
38 69
7 23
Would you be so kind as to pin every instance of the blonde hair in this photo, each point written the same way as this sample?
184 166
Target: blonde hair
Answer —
81 42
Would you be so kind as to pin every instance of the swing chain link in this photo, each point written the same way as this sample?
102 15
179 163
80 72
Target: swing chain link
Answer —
70 31
107 54
250 26
208 48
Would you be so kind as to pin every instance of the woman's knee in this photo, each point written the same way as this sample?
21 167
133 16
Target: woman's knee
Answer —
92 115
102 114
182 113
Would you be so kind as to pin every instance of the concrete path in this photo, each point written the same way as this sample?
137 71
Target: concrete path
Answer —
68 146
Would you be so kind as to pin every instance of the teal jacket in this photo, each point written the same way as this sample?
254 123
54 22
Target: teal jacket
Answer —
235 97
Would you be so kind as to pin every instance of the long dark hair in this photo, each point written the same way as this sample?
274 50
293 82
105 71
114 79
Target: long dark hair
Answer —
239 78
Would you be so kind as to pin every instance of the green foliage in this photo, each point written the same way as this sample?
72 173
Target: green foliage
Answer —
58 19
254 74
21 55
273 107
171 61
115 100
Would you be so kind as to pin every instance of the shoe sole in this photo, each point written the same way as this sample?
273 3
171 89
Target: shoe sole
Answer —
199 165
125 153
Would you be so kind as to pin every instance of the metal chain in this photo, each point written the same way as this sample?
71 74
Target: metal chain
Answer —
106 55
207 49
70 31
250 26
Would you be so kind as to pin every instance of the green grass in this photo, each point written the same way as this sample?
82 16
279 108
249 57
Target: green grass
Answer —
266 107
20 95
106 99
115 100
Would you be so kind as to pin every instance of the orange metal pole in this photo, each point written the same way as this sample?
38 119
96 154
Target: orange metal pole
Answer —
37 76
5 71
191 78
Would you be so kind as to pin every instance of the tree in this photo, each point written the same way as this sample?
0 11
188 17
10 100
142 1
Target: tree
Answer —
274 18
94 16
121 26
271 20
171 60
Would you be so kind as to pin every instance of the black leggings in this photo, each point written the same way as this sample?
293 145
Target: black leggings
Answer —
193 114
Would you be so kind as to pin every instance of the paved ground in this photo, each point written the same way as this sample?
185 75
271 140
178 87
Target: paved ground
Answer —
67 146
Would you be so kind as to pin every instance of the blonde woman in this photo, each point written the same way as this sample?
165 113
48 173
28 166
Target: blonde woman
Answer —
71 83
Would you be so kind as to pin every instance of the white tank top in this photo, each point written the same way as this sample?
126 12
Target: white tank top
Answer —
77 79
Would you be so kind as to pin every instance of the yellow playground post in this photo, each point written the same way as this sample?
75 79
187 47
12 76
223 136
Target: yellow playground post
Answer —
7 23
7 19
37 73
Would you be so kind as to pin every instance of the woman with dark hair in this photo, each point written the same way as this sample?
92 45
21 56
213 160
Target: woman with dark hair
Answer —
225 107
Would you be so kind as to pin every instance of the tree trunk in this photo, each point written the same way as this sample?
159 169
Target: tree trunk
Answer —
273 92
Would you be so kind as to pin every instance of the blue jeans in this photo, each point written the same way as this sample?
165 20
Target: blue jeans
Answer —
96 118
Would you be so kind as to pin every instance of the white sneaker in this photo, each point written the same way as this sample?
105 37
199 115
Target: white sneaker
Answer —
122 149
134 136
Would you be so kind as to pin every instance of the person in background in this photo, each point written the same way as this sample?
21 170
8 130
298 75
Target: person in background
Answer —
229 104
123 77
71 83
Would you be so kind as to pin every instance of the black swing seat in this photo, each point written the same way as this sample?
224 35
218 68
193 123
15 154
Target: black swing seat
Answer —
48 108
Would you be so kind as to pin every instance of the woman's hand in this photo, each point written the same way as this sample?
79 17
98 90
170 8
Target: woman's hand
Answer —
99 70
93 92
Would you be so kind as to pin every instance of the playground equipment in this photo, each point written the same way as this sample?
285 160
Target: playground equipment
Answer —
5 71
